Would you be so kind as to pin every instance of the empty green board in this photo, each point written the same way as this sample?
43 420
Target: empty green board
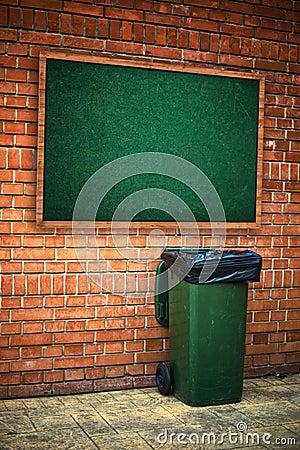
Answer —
96 113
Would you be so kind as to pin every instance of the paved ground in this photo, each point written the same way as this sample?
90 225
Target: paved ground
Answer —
268 417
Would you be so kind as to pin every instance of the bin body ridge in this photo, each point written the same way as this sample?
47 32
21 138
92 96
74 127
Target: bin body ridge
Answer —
207 340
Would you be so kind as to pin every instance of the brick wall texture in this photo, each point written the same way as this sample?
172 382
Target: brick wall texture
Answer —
59 332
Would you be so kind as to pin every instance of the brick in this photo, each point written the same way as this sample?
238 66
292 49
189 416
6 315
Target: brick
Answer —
236 7
267 11
10 379
27 115
112 335
86 43
293 135
163 19
54 241
152 356
235 30
32 378
114 359
261 349
145 5
10 328
3 16
40 38
159 52
33 267
128 48
31 352
30 390
79 361
93 349
8 35
72 350
90 27
53 22
114 347
190 55
34 314
40 20
10 353
123 14
7 88
17 49
35 364
264 33
87 10
204 42
289 325
65 23
33 253
199 24
215 15
102 28
74 374
270 65
15 16
42 4
230 60
27 19
73 313
74 337
78 25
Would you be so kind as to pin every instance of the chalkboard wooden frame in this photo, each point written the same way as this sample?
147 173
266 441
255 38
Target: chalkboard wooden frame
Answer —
179 68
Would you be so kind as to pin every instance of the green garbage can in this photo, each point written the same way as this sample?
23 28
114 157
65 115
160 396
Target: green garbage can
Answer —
207 338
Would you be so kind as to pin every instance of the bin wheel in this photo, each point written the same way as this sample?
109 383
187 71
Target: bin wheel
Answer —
163 378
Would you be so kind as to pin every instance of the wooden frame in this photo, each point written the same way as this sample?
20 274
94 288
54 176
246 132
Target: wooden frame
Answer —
147 65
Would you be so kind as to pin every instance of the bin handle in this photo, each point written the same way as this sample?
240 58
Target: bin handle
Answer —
161 297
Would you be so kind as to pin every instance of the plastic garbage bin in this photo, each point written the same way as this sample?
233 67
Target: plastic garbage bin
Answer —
207 321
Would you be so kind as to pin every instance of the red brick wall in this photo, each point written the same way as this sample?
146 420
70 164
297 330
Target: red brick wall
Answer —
59 333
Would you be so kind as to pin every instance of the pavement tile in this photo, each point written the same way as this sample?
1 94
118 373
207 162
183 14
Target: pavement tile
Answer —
72 401
248 382
261 382
14 405
13 422
100 395
133 394
294 427
271 413
51 402
33 403
138 419
267 394
66 439
113 405
157 399
124 441
44 423
292 379
200 417
93 424
60 410
233 416
2 407
176 437
273 437
187 437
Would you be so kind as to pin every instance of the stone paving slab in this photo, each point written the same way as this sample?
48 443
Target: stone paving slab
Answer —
143 419
73 438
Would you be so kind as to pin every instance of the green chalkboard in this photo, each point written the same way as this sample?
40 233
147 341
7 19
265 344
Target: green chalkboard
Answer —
94 113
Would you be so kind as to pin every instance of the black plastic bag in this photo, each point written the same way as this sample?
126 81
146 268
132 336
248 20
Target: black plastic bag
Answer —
214 266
